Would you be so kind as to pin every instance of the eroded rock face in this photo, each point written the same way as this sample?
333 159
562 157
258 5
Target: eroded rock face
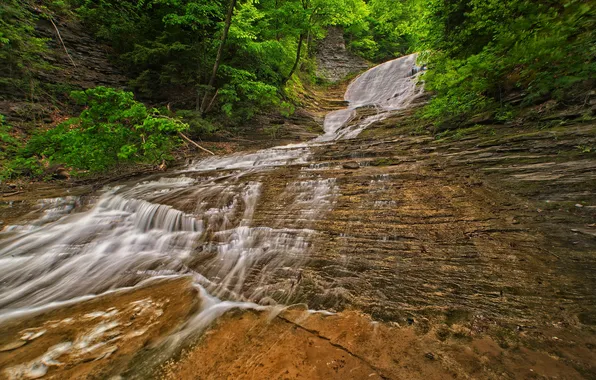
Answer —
97 338
91 68
300 345
334 61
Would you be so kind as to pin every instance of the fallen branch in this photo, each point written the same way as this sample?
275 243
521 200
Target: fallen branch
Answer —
62 42
195 144
186 137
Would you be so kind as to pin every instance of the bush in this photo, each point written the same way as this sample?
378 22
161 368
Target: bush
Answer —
113 128
484 49
198 125
12 164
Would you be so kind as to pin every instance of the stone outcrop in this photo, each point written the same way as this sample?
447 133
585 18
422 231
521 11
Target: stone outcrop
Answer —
91 68
334 61
463 250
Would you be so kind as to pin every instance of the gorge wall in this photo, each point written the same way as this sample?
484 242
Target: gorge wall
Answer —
334 61
90 67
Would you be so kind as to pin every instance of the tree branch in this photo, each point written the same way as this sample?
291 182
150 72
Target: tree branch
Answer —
195 144
224 36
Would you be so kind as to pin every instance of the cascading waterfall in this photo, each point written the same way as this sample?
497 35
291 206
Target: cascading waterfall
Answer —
199 222
386 88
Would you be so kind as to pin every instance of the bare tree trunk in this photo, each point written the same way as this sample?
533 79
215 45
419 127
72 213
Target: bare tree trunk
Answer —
297 61
224 36
62 42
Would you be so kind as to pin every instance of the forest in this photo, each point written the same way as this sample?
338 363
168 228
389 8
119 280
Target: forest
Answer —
197 66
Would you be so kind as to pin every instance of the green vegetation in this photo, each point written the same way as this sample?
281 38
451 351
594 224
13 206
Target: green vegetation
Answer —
173 46
218 63
482 52
113 128
12 161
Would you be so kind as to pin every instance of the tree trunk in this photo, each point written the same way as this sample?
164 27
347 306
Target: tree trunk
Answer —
224 36
297 61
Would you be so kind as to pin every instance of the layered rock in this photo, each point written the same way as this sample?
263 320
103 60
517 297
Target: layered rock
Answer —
334 61
88 66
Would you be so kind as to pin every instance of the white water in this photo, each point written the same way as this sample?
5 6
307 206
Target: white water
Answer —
387 88
202 222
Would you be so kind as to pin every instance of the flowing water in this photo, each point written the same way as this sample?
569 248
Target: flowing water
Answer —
200 221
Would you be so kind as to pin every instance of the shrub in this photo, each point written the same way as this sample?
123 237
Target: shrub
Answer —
113 128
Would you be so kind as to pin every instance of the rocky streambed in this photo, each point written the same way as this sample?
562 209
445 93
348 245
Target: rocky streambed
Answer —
391 255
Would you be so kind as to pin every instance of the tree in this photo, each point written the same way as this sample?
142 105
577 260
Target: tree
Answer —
218 58
483 49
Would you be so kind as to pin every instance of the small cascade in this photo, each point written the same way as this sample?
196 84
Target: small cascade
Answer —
202 221
386 88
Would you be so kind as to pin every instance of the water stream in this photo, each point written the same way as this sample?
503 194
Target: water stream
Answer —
200 221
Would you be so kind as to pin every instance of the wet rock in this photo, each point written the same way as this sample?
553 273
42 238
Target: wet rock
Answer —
512 220
32 335
13 345
278 121
334 61
443 333
58 172
352 165
62 174
483 118
267 301
106 353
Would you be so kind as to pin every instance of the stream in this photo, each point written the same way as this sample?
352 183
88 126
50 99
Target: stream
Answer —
199 221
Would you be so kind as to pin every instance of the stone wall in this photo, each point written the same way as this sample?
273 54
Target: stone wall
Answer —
334 61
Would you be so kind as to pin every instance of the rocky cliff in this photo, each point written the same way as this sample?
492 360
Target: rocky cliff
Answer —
334 61
88 66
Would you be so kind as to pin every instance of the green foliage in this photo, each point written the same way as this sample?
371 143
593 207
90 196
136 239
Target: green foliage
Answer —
391 29
11 164
478 52
198 125
112 128
273 130
483 50
585 148
243 94
8 143
169 46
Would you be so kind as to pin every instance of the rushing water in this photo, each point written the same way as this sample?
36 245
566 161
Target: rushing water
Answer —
200 221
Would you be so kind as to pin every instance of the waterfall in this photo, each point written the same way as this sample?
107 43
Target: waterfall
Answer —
386 88
201 221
